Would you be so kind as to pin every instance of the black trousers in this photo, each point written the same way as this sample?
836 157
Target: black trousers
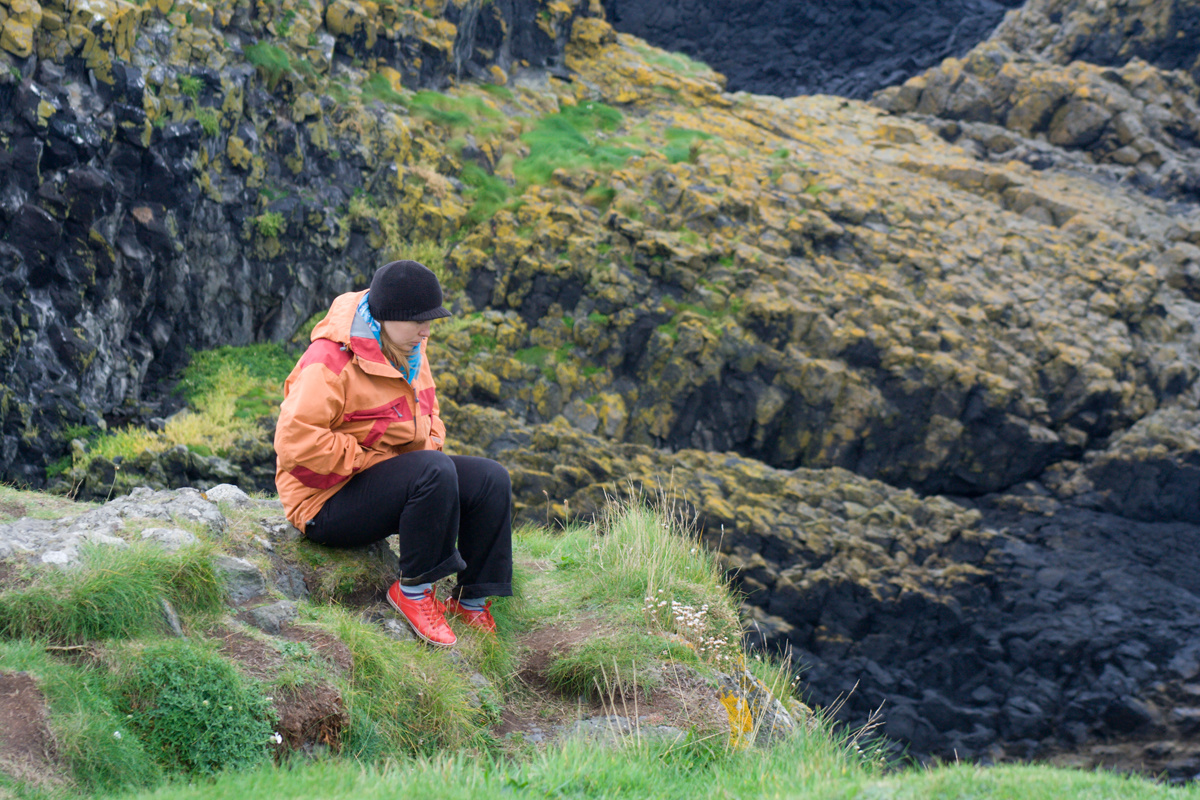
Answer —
452 514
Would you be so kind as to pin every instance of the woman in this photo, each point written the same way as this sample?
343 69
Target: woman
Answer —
359 455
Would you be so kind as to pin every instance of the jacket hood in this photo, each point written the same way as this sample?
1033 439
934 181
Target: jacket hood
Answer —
343 325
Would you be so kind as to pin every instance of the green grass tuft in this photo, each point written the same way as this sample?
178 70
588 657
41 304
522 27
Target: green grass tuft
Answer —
115 593
683 144
487 193
567 140
190 86
455 113
378 87
403 697
619 664
210 120
272 62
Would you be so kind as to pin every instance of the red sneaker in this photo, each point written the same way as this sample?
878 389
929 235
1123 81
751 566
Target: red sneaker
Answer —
425 616
481 618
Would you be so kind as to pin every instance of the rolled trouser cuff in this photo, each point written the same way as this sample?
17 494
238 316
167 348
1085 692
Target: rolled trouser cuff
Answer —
450 566
477 590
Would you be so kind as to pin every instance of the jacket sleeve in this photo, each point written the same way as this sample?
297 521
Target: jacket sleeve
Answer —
437 431
305 441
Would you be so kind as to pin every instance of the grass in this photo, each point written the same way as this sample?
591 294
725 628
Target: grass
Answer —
678 63
228 389
210 121
116 593
270 224
804 767
544 358
455 113
398 245
487 193
402 697
83 719
683 144
192 709
417 724
274 63
567 140
378 87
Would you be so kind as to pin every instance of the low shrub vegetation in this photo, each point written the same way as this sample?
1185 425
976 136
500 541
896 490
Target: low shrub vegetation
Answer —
192 710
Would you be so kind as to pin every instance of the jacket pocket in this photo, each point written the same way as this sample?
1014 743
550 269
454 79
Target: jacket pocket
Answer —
394 418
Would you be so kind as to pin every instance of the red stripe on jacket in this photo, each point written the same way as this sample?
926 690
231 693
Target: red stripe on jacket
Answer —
315 479
426 398
329 353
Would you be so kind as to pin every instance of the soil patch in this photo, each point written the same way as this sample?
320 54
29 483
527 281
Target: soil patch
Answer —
12 509
684 699
26 744
256 658
310 716
331 648
544 644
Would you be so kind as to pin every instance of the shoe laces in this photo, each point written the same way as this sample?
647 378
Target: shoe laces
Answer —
427 606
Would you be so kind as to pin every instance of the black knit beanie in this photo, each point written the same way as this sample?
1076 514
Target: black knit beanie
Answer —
405 290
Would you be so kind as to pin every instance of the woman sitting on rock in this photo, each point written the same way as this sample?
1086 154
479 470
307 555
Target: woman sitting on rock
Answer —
359 455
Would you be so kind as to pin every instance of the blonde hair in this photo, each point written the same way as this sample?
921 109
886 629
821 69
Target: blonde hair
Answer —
392 351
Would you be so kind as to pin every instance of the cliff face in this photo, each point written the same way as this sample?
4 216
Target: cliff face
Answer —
783 48
808 317
177 176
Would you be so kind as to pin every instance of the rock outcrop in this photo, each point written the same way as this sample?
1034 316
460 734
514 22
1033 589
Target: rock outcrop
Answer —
788 49
181 175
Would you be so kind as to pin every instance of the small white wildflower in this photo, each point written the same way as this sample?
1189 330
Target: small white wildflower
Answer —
203 702
117 735
278 738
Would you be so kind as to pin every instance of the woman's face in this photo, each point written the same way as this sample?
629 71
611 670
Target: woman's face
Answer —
405 334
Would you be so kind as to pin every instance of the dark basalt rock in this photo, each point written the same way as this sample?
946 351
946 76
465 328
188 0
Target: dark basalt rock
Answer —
1073 635
785 48
124 261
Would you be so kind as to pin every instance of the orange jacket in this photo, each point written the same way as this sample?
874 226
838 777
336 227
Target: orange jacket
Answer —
345 408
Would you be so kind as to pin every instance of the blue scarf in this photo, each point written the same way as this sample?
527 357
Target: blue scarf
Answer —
414 360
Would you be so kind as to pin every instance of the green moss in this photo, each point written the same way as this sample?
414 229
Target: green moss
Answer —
598 318
683 144
190 86
269 224
210 120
